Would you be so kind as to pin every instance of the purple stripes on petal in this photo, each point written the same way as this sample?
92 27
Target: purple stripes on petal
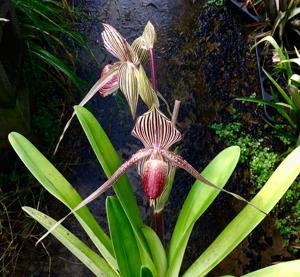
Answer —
155 130
128 84
112 84
117 45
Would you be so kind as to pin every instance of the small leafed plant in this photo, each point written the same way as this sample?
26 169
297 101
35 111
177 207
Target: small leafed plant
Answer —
284 16
50 38
134 249
284 86
278 18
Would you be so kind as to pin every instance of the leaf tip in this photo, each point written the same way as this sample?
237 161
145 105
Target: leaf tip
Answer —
12 136
25 209
76 108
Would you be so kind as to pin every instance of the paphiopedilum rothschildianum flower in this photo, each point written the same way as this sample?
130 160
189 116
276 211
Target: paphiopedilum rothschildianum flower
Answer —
158 134
127 73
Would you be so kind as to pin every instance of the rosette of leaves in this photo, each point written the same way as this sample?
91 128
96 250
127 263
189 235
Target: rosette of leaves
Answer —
284 86
284 16
133 248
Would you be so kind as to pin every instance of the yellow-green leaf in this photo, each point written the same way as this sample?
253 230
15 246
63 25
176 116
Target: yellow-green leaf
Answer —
249 217
87 256
286 269
198 200
55 183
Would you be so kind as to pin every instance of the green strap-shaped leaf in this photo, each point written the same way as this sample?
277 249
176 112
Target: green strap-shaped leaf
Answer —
123 239
198 200
110 162
280 89
157 250
88 257
286 269
52 60
145 272
249 217
280 109
54 182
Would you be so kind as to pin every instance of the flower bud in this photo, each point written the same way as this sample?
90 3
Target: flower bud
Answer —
111 85
154 177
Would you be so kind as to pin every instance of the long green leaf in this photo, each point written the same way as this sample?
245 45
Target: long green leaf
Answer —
280 89
276 106
110 162
123 239
88 257
198 200
145 272
54 182
273 42
278 49
260 101
157 250
286 269
249 217
58 64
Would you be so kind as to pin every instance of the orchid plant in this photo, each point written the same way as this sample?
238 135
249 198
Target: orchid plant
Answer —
153 128
134 248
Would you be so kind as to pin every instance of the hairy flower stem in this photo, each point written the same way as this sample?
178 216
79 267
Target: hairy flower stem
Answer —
158 220
175 112
153 69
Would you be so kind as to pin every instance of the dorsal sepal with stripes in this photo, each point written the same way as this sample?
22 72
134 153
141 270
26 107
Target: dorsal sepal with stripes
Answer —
155 130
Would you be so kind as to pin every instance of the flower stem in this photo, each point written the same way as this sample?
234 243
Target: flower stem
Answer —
153 68
158 218
175 112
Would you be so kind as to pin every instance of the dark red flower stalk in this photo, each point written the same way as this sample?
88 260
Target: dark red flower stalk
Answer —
153 69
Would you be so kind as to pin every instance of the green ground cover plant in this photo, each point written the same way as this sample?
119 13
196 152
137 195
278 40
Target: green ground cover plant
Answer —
218 3
261 162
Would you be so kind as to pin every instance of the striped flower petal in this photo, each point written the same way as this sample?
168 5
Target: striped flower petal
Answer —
112 84
140 48
145 42
155 130
96 87
149 35
117 45
128 83
146 91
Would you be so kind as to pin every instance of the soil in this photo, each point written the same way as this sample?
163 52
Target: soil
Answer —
203 59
